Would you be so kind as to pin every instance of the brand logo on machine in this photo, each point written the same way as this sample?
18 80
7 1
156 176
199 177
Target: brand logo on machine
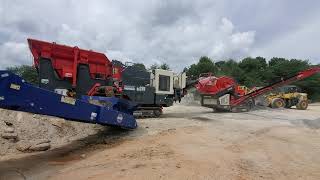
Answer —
68 74
15 87
44 81
119 118
93 116
129 88
1 98
141 88
4 75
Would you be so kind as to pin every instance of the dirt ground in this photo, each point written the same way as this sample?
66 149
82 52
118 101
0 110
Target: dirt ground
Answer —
188 142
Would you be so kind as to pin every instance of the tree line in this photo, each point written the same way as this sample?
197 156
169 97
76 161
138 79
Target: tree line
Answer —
251 72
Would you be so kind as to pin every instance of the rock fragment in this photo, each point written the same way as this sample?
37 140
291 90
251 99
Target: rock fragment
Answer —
57 122
9 135
40 147
37 145
9 130
23 146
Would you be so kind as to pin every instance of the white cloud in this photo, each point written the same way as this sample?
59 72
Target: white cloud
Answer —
244 39
175 32
18 52
226 26
301 43
118 55
232 44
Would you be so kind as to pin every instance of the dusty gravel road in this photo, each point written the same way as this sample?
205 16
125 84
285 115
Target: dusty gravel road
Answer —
190 142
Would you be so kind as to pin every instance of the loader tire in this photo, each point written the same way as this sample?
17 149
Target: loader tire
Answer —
302 105
278 103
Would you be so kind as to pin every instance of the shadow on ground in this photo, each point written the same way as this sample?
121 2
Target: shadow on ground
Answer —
24 167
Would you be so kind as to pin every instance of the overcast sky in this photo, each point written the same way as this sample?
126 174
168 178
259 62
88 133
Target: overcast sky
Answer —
172 31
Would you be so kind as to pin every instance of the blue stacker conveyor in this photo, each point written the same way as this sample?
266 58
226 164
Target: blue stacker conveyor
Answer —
16 94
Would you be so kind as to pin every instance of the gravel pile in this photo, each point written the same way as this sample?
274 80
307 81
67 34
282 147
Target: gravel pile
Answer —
24 132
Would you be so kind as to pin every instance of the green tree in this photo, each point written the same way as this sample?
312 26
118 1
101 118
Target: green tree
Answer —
192 71
139 66
282 68
28 73
230 68
275 60
185 69
164 66
254 69
205 65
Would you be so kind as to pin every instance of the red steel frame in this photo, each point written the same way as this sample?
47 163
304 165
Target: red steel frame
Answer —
65 60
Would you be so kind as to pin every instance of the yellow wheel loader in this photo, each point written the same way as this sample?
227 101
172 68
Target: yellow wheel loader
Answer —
288 96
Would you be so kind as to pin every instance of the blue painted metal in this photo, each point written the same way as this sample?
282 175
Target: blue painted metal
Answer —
118 104
16 94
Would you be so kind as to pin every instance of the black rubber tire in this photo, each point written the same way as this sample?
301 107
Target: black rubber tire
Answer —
302 105
278 103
